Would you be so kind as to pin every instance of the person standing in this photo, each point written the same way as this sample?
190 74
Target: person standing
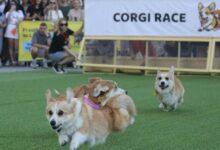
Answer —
13 17
2 26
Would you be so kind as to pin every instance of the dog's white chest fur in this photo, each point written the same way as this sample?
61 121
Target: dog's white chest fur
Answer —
168 98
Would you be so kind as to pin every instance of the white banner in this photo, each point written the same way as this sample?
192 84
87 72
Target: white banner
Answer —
188 18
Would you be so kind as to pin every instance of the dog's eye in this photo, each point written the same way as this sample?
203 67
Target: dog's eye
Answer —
60 113
167 78
50 113
159 78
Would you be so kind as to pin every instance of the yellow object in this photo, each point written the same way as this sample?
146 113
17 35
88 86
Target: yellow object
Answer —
27 29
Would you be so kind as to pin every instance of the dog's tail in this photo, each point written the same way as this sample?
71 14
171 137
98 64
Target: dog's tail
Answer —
125 102
129 105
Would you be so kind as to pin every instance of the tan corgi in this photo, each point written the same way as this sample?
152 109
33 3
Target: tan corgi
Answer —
76 122
169 90
107 94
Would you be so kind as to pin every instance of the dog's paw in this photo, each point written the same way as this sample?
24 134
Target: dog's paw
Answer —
208 30
173 107
161 106
200 30
63 140
73 147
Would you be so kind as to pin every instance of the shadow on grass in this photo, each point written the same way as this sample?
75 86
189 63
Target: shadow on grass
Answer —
45 135
159 111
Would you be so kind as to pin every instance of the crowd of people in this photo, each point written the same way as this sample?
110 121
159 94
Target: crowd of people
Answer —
59 12
56 48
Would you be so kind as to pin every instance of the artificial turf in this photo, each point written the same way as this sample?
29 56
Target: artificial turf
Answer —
194 126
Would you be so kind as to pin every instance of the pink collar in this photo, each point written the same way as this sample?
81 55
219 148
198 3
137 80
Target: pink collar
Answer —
89 102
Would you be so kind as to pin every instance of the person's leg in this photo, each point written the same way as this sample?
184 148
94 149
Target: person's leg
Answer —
45 58
1 45
56 58
43 53
34 55
68 58
33 51
16 49
10 48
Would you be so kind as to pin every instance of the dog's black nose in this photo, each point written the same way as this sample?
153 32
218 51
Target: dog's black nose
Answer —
52 122
126 92
162 83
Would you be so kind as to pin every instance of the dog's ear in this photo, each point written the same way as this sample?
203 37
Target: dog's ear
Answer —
69 94
171 71
48 95
212 6
92 80
57 92
113 82
200 6
158 72
97 91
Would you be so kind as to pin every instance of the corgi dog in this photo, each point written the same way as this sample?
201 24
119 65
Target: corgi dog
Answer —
169 90
107 94
208 19
76 122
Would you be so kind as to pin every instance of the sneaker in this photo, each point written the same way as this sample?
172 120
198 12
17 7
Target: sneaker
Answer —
62 69
7 63
34 65
45 64
57 69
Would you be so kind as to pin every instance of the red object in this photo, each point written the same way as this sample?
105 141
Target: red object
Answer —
138 46
14 31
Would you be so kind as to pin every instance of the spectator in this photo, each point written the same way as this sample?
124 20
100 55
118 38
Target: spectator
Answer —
59 50
76 14
52 12
35 11
40 45
25 4
45 3
64 7
13 17
2 26
19 6
82 1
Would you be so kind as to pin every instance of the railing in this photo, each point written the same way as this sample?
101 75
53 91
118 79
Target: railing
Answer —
206 60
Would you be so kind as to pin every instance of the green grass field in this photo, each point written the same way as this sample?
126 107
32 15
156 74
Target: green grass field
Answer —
194 126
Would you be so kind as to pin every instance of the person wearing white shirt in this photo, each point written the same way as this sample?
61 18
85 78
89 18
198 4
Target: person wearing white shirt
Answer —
52 12
13 17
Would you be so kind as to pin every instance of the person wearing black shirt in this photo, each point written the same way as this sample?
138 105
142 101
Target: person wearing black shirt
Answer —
35 11
59 50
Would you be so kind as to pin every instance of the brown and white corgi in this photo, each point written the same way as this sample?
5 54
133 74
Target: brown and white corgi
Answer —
76 122
101 108
209 19
169 90
107 94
